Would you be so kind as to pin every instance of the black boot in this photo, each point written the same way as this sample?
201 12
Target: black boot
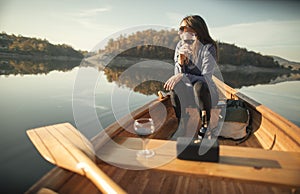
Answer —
204 125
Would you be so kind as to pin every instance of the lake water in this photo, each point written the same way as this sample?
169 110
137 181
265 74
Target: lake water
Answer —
31 101
283 98
35 100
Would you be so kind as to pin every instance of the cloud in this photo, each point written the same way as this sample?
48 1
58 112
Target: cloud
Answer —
89 18
267 37
265 33
92 12
87 13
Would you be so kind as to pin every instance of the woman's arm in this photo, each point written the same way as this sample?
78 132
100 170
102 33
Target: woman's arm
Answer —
208 61
178 68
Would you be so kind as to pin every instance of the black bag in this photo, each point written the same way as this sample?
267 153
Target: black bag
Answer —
236 124
187 149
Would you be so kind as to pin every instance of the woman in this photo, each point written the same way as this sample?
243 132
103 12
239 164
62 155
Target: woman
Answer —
194 67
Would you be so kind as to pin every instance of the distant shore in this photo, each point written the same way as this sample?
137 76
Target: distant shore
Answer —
17 56
253 69
124 62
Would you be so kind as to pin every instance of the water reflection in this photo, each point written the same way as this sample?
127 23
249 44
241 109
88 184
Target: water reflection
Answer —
238 79
145 77
35 66
234 76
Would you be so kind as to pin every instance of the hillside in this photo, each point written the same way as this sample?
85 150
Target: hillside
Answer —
287 64
239 67
12 46
19 47
228 53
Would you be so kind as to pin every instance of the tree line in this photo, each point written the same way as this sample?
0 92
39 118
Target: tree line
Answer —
158 44
149 43
12 44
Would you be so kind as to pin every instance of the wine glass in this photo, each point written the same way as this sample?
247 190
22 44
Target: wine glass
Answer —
143 128
188 38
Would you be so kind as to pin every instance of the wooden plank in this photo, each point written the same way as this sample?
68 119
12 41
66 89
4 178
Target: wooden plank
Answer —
79 185
154 181
54 179
285 160
287 167
287 133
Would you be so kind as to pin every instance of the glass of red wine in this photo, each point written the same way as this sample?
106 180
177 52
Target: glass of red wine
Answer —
143 128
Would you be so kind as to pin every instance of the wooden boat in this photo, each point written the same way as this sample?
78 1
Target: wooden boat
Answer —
268 162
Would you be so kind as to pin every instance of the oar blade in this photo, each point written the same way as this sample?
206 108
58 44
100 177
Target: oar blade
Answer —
55 148
67 132
40 146
66 147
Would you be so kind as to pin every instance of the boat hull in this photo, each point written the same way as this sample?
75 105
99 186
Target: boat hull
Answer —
271 131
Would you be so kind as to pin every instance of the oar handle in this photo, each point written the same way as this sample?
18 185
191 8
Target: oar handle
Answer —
98 177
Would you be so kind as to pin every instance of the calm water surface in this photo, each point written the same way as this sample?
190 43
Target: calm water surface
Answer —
283 98
32 101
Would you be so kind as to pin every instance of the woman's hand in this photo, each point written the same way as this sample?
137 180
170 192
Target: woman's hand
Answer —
182 59
172 81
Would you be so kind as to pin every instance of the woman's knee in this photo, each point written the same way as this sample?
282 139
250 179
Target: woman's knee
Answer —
200 87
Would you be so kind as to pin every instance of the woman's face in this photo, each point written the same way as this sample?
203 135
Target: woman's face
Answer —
185 28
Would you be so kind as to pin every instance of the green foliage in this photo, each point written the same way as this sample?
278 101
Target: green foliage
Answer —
150 44
33 46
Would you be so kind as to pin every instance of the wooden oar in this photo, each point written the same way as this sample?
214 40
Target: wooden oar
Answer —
66 147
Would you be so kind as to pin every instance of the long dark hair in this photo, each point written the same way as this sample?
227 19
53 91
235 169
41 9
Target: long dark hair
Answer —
198 24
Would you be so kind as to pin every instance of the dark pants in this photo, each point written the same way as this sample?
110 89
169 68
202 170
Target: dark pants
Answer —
197 96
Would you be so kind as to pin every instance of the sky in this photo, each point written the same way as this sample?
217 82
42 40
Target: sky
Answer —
270 27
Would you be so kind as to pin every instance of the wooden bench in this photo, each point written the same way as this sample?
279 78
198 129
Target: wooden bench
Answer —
239 163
